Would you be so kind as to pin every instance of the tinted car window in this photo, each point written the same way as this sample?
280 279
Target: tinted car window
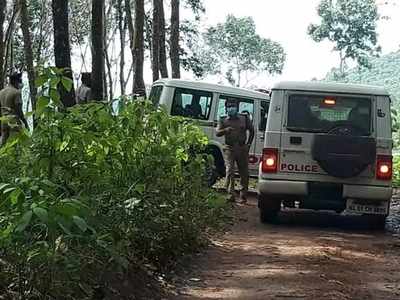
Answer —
246 106
192 104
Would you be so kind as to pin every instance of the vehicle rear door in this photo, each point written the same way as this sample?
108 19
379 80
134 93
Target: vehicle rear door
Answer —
307 115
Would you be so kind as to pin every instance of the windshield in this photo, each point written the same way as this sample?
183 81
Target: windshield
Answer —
323 113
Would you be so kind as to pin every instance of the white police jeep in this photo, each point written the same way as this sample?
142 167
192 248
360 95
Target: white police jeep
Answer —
327 147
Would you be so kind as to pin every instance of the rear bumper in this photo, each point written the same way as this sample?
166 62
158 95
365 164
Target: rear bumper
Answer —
282 188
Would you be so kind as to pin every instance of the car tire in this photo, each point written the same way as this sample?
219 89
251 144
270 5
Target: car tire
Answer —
378 222
269 209
211 174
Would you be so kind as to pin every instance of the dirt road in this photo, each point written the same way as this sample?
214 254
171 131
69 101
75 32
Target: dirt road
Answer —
307 256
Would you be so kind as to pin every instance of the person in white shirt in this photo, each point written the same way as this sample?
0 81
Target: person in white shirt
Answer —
83 93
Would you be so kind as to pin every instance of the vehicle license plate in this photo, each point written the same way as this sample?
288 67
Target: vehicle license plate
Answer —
354 206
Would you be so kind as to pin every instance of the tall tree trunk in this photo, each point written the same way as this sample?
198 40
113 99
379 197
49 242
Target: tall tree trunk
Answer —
147 33
98 50
155 40
62 48
109 76
138 82
122 36
3 7
8 41
26 31
174 47
163 51
131 34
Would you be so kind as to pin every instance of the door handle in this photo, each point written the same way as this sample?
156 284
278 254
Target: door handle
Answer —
262 137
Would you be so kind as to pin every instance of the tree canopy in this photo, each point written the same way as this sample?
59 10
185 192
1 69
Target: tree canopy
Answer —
234 47
351 25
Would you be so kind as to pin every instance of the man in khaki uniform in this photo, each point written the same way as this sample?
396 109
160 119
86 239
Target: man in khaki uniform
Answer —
237 145
11 108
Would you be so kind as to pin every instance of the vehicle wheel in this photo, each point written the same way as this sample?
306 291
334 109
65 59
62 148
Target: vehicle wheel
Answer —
378 222
212 174
269 209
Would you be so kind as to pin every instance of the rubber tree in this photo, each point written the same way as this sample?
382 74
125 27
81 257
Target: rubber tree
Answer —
138 47
98 67
163 50
3 7
122 24
174 39
155 40
62 48
26 25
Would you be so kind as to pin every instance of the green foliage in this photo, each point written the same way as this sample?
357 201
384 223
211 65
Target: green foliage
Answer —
236 45
89 191
383 71
351 25
79 25
197 6
41 34
396 171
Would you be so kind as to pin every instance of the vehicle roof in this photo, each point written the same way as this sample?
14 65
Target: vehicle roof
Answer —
211 87
340 88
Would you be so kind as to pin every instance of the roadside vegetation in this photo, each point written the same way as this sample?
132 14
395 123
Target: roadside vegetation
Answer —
89 192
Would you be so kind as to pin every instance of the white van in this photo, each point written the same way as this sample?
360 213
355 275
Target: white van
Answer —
327 147
205 103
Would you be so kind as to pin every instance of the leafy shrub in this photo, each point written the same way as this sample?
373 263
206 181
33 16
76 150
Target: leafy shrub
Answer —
396 171
89 191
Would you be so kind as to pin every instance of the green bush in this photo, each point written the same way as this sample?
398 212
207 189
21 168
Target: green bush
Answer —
88 192
396 171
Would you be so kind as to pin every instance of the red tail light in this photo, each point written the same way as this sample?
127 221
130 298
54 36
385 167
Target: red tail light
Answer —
270 159
384 167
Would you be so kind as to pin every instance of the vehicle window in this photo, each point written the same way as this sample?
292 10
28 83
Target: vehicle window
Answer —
192 104
323 113
246 106
155 94
264 108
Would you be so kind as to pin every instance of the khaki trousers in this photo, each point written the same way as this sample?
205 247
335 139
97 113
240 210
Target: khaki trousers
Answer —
239 155
7 130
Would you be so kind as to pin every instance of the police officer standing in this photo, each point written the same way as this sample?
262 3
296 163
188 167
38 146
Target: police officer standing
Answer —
235 127
11 107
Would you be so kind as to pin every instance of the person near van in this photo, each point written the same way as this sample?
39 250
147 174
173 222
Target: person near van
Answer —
83 93
11 107
235 127
194 109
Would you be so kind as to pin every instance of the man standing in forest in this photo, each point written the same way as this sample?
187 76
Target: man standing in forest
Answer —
11 107
237 145
83 93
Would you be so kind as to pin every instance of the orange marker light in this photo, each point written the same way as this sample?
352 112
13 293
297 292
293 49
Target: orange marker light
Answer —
330 101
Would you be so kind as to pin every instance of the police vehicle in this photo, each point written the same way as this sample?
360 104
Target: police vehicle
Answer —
205 103
327 147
